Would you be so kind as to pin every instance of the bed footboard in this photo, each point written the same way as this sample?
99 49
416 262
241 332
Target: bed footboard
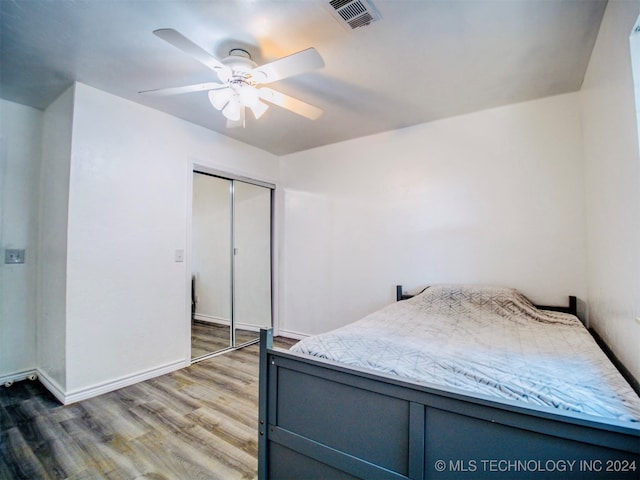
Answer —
318 419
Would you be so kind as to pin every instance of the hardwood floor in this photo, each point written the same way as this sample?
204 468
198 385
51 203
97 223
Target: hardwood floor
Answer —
199 422
210 337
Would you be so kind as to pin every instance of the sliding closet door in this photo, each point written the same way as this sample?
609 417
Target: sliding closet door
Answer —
211 262
252 260
231 263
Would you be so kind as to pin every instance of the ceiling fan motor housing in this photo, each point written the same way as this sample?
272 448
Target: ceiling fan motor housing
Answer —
241 65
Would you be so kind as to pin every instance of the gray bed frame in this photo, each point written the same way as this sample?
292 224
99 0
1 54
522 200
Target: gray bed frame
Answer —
322 420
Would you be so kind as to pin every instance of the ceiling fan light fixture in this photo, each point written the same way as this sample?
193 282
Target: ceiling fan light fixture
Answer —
259 108
232 110
219 98
248 95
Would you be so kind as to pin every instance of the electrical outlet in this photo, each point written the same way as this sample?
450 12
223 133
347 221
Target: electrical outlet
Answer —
13 256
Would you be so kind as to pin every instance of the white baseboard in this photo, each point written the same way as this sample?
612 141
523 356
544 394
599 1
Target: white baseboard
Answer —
291 334
211 319
221 321
9 379
77 395
51 385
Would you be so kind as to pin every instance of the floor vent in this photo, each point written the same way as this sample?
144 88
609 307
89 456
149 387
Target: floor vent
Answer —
353 14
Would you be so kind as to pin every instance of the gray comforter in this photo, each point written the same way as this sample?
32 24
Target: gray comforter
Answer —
485 340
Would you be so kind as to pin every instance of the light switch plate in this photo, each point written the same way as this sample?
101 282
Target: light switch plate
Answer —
13 255
180 255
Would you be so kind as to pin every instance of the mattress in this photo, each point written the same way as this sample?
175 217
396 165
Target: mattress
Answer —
487 340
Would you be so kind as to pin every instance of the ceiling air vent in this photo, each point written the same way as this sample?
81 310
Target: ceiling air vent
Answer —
354 13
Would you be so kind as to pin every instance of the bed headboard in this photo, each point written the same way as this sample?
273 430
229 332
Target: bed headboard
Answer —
572 308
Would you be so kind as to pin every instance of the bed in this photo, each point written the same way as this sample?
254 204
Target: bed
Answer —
506 390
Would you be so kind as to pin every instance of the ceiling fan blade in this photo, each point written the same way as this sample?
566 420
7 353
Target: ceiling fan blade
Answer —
181 42
288 66
199 87
289 103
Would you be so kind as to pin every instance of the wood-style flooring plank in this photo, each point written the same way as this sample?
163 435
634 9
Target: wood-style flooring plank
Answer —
199 422
17 458
207 337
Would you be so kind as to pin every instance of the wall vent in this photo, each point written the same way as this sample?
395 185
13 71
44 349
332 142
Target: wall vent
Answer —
353 14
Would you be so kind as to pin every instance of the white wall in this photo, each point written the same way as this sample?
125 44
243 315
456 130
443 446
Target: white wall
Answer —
613 186
52 259
127 299
115 205
20 153
492 197
634 45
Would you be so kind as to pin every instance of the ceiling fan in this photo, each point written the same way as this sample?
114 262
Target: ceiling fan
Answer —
239 79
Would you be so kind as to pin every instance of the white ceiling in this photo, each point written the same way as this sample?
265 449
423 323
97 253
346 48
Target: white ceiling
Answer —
424 60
